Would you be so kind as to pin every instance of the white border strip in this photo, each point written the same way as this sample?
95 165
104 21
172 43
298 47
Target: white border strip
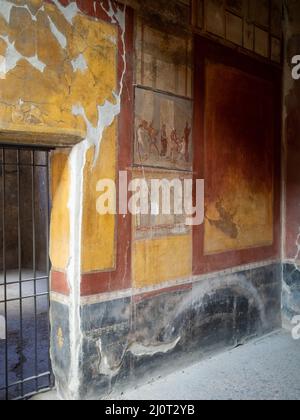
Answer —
59 298
106 297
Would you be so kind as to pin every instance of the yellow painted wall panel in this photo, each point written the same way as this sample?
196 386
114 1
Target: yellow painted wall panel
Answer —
98 234
60 216
65 71
59 65
162 260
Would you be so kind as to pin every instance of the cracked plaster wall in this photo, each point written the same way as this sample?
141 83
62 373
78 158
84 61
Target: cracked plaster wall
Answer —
59 74
128 340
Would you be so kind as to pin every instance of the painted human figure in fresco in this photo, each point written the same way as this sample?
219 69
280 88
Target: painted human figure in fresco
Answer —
182 148
175 145
153 133
142 132
164 141
187 133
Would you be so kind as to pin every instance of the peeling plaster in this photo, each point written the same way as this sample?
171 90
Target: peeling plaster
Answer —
69 12
33 17
62 40
79 64
208 286
108 111
291 28
297 256
119 18
6 7
110 366
106 116
136 349
5 10
12 57
104 366
140 350
76 161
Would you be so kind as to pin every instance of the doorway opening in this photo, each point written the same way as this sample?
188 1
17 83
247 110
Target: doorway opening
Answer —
25 367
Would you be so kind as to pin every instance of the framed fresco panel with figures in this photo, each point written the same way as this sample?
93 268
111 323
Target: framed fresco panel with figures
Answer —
163 131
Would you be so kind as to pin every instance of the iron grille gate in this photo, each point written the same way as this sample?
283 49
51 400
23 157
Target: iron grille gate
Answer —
25 367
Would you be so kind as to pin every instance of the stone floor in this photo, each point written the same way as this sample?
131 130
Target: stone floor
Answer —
266 369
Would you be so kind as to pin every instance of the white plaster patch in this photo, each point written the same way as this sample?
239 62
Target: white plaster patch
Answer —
108 111
136 349
62 40
76 162
12 57
117 17
33 17
106 116
5 9
79 64
6 6
105 368
69 11
140 350
296 259
36 63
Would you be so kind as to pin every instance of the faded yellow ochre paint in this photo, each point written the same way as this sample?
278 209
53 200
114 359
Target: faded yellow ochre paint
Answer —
239 200
32 98
250 219
161 260
60 219
75 65
98 234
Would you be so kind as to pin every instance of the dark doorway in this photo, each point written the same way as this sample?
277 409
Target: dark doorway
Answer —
25 367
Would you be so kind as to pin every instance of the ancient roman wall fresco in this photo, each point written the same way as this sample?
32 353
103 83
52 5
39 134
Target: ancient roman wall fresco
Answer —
255 25
291 272
63 75
67 74
60 224
238 160
99 250
163 135
69 56
75 59
149 226
52 66
292 130
163 149
157 261
238 130
163 60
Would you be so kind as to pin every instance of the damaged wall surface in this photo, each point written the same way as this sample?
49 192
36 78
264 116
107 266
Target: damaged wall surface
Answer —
291 274
135 296
133 338
63 75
